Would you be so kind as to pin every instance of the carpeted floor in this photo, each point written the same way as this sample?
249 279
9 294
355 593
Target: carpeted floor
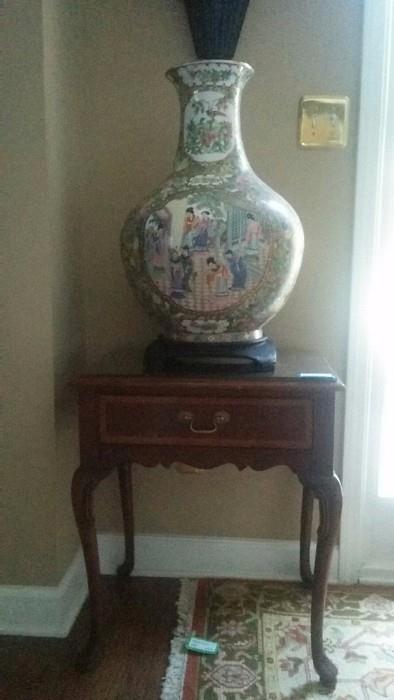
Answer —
263 632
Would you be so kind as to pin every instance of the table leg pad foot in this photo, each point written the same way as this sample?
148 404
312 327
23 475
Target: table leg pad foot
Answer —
327 672
89 658
124 570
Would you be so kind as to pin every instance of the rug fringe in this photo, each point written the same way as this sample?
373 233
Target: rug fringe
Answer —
173 680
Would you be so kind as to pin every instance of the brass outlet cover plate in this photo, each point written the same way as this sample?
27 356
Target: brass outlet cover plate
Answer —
323 121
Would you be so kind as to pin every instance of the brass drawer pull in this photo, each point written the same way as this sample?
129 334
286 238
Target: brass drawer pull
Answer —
219 418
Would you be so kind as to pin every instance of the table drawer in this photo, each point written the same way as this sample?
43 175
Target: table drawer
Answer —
165 420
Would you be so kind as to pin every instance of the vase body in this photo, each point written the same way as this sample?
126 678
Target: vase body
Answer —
214 252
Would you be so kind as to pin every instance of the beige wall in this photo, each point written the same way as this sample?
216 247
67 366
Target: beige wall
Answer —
62 55
28 393
94 129
42 329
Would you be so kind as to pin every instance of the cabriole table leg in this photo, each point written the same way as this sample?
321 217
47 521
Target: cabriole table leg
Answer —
126 498
305 537
328 491
84 482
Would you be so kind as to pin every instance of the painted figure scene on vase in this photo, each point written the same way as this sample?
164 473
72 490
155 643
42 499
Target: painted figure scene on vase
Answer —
203 254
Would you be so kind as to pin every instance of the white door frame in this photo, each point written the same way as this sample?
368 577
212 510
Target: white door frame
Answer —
376 64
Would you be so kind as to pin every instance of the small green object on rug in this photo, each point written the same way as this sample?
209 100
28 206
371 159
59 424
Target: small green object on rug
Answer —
201 646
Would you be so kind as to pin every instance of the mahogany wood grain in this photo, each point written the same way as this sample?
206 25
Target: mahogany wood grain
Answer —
271 423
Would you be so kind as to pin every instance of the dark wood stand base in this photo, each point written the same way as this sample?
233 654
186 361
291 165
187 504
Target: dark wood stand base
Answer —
165 355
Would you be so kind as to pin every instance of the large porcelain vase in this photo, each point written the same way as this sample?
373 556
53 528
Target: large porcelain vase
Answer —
214 252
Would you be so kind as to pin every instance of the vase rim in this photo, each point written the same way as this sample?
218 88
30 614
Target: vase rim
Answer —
241 64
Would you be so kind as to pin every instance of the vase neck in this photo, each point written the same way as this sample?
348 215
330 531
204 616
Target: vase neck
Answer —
210 134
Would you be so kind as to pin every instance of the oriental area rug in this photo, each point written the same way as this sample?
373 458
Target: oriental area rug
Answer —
264 642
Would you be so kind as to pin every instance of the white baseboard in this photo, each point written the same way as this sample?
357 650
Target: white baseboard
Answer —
379 573
44 611
49 611
176 556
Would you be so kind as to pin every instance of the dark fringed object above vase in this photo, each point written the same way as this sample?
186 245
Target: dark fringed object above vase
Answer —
216 26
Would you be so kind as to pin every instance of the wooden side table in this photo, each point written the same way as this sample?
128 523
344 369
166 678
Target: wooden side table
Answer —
256 421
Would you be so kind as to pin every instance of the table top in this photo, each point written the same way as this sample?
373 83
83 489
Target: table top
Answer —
292 366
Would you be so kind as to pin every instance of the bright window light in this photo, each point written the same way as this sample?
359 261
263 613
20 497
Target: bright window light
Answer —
380 313
386 461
